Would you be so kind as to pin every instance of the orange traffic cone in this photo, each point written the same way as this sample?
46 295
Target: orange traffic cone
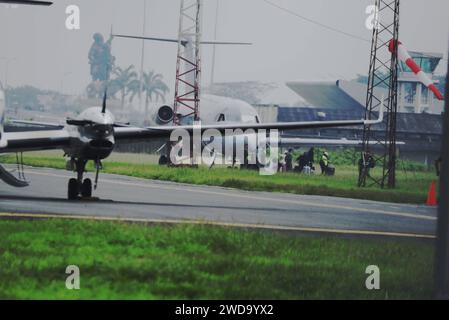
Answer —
432 196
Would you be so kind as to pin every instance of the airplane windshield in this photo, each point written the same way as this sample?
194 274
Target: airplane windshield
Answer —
101 129
248 118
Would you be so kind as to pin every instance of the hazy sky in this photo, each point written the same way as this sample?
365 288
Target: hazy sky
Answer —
49 56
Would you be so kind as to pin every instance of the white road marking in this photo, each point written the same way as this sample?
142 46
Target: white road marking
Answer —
219 224
297 202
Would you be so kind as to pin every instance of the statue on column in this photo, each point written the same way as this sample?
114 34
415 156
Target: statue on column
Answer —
101 63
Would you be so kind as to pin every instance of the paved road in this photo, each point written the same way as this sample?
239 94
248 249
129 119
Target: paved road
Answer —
127 197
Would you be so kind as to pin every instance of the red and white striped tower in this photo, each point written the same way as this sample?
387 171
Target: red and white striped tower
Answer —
406 58
188 66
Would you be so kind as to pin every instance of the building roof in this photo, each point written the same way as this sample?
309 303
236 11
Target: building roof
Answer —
325 95
258 93
406 122
418 54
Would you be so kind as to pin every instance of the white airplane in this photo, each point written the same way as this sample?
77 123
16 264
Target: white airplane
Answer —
217 110
93 134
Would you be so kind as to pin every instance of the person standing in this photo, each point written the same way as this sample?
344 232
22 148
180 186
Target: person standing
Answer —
324 163
289 160
366 163
311 157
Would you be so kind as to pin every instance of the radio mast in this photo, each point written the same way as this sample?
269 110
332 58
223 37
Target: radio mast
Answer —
188 65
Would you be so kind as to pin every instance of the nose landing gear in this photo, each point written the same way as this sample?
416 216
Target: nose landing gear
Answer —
79 187
73 189
86 188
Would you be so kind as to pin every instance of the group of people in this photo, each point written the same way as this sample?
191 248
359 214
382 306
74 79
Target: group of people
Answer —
305 163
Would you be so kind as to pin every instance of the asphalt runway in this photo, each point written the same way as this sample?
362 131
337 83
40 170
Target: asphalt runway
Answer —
132 198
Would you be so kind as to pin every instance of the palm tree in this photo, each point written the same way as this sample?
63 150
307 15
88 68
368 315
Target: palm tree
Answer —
121 82
153 86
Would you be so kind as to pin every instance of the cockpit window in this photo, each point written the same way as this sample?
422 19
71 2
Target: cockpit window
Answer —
248 119
103 130
221 118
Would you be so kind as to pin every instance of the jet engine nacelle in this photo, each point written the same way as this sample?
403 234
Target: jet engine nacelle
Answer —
164 115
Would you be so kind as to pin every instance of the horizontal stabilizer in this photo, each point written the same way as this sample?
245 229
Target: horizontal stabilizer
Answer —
81 123
184 42
227 43
10 179
146 38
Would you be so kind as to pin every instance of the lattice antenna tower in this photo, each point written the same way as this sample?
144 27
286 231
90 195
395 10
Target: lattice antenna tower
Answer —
382 88
188 65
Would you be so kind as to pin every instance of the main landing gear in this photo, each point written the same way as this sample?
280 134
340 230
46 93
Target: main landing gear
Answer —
79 187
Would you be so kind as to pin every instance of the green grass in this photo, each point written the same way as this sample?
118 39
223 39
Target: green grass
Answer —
137 261
412 186
349 156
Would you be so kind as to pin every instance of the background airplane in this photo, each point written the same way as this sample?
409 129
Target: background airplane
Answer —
217 109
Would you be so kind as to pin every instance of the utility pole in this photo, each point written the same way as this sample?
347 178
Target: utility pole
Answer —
142 58
7 63
65 74
5 84
442 243
214 49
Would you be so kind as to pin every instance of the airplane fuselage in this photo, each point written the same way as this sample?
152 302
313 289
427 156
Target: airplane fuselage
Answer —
94 139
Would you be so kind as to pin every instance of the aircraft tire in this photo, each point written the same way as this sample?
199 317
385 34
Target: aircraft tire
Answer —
73 189
86 188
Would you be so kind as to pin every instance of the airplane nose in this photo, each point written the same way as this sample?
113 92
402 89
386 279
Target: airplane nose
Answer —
101 144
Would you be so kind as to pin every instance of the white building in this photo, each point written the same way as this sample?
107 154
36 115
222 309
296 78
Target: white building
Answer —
413 96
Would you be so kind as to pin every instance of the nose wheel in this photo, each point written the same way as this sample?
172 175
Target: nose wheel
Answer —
79 187
76 189
73 189
86 188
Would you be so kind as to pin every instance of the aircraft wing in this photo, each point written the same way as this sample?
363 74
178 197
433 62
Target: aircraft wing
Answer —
34 140
35 123
165 131
292 142
314 142
28 2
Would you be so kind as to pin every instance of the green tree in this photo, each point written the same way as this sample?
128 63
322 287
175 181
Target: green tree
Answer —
25 97
122 81
153 87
